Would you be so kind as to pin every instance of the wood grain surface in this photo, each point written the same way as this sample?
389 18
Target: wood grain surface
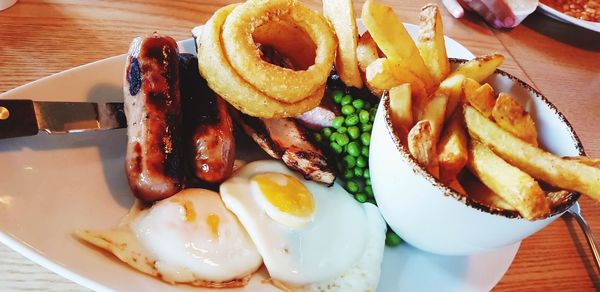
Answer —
40 38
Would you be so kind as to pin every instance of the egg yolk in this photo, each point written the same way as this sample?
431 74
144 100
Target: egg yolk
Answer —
286 193
212 220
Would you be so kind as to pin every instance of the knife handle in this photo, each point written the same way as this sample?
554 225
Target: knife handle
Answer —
17 118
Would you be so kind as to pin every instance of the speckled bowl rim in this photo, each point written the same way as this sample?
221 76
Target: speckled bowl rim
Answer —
418 169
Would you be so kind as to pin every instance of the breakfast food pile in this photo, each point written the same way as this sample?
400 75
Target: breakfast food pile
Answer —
264 69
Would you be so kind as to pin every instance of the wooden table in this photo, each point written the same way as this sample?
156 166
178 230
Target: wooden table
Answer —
39 38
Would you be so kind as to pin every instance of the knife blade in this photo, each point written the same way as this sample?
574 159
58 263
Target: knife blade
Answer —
19 118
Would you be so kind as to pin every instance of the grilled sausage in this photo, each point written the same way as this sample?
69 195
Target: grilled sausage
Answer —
153 110
208 139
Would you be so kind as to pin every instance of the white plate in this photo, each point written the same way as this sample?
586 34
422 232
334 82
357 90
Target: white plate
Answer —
53 185
595 26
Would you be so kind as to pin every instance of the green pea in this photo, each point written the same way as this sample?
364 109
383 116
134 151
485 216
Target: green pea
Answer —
352 187
358 172
337 96
348 174
367 174
354 132
392 239
336 147
348 109
363 115
346 100
327 132
367 181
365 138
342 130
349 161
364 151
337 122
318 137
361 162
333 136
372 113
366 127
353 149
369 191
358 104
342 139
351 120
360 197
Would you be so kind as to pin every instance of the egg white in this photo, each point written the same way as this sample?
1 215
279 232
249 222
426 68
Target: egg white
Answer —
173 241
342 246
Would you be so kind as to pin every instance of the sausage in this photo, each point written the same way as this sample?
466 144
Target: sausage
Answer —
153 162
208 139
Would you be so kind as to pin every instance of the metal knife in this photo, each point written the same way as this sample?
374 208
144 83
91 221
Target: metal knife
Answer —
19 118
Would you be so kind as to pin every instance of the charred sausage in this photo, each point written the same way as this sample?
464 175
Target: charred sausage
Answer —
153 110
209 140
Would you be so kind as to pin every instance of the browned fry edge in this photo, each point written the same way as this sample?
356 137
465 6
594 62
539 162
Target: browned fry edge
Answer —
418 169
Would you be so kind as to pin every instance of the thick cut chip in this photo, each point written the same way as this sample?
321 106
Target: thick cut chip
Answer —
385 74
431 42
480 68
390 35
366 53
434 112
340 14
562 173
511 116
401 107
515 186
452 149
421 146
481 97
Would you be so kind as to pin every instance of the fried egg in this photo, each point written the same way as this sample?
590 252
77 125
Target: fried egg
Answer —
188 238
311 237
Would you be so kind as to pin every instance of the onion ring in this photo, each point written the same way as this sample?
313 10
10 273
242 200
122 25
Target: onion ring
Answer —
280 83
289 40
225 80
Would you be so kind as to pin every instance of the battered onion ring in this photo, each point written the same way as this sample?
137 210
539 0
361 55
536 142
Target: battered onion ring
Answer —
277 82
224 79
289 40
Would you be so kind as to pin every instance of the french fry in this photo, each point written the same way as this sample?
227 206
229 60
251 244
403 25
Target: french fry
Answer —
392 38
477 191
431 42
434 112
384 74
452 149
481 97
561 173
452 87
511 116
401 107
595 162
422 147
515 186
340 14
479 68
366 53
